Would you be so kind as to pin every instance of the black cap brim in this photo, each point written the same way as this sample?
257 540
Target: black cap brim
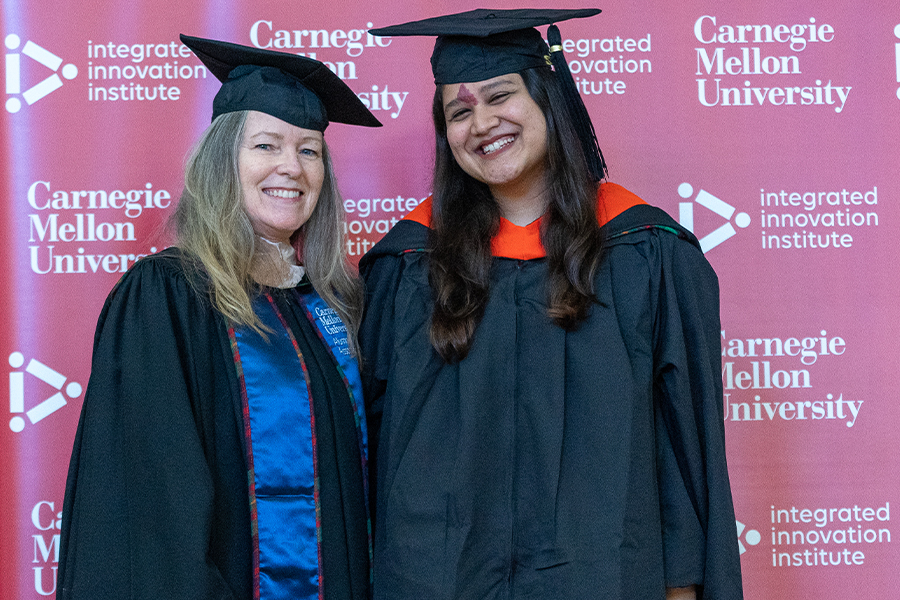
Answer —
484 22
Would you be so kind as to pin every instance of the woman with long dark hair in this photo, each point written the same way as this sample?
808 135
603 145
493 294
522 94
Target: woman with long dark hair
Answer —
541 351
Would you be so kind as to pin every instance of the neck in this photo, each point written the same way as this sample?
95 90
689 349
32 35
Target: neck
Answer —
522 204
275 264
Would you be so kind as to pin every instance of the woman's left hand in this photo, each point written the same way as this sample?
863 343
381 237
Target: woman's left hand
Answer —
682 593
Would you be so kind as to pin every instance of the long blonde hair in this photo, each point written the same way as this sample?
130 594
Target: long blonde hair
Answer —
212 227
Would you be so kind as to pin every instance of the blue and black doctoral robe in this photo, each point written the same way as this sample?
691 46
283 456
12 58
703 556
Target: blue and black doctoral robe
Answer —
161 500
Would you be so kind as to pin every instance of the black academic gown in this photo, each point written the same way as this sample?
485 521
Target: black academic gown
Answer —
157 500
546 464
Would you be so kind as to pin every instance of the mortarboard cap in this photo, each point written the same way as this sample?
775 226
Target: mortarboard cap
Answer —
484 43
298 90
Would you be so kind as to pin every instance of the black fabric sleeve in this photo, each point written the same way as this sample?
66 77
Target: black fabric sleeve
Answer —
376 350
699 530
382 271
157 442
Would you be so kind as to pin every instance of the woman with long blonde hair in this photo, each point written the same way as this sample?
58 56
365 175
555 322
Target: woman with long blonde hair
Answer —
222 450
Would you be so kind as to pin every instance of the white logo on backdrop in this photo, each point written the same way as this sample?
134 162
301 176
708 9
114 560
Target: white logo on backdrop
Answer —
752 536
47 522
14 72
710 202
897 52
17 391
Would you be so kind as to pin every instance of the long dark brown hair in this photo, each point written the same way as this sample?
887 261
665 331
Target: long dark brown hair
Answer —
465 217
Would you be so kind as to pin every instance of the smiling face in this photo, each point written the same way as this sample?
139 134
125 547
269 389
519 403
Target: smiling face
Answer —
498 135
281 170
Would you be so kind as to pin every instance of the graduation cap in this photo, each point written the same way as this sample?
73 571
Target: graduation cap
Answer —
298 90
480 44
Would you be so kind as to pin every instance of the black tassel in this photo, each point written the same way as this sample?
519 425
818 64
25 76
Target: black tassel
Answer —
577 110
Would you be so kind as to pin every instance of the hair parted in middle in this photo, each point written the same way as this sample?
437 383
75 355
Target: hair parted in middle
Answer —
212 227
465 217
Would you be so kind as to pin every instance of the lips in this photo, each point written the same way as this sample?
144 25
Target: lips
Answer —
496 145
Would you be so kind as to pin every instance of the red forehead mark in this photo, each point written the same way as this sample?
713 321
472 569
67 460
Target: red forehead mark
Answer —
465 96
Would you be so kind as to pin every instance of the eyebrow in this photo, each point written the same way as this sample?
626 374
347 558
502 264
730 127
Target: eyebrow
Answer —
480 91
266 133
278 136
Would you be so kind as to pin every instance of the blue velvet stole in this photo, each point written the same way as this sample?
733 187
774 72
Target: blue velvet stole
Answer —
280 428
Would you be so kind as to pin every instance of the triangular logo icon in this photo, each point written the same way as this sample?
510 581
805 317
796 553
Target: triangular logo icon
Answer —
14 72
714 204
46 407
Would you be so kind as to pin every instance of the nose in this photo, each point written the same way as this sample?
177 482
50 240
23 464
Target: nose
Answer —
483 119
290 165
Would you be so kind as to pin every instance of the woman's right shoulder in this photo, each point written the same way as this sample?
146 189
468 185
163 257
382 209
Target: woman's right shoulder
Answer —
161 274
170 261
173 262
158 293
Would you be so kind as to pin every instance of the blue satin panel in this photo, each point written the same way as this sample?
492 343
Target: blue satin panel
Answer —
282 444
335 334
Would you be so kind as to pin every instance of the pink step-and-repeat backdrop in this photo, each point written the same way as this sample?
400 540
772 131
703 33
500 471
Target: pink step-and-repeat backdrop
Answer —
769 129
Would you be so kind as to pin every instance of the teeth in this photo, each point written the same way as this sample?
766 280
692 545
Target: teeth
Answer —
497 145
284 193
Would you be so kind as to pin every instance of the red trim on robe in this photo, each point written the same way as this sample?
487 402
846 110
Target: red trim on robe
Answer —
524 243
